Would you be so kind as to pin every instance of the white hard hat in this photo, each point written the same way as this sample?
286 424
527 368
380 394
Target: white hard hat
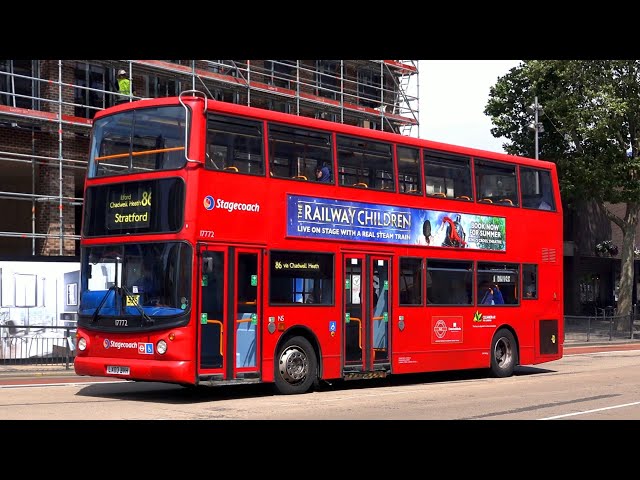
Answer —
121 72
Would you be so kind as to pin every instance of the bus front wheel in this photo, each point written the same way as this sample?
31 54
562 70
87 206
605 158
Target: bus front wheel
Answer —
504 354
296 367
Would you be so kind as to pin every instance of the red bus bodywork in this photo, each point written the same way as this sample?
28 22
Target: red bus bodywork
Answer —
249 221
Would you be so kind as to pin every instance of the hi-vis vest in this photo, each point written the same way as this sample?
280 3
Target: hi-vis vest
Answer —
124 86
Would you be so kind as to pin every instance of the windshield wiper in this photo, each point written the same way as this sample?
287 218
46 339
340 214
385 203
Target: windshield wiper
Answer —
147 319
104 299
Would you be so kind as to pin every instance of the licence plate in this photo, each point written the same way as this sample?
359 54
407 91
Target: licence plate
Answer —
117 370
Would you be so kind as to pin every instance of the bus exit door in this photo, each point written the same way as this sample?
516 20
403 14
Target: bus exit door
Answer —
366 313
229 312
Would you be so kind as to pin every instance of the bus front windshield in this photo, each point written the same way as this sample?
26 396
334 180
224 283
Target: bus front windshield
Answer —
136 141
147 281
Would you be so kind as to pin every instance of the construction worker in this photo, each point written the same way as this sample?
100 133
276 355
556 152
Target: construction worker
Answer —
124 85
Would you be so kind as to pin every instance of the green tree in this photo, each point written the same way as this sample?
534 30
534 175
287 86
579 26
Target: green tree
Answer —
591 131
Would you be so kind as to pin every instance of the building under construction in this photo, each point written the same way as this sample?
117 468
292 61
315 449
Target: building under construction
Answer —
47 106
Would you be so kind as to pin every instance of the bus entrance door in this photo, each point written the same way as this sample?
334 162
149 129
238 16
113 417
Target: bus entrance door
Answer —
228 314
366 315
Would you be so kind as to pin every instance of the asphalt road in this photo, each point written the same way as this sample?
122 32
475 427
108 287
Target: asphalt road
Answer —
589 383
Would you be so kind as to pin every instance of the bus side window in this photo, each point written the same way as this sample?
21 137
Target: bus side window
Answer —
530 281
409 178
496 181
449 282
410 291
537 191
234 144
447 175
498 283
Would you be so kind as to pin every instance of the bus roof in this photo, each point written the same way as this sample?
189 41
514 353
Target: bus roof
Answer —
340 128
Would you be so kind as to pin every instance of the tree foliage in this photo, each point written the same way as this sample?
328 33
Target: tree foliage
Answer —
591 131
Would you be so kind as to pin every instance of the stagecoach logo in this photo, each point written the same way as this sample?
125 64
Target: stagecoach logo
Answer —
209 202
113 344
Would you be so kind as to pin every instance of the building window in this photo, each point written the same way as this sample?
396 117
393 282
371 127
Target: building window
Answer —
279 106
26 288
89 93
156 87
72 294
224 67
281 73
369 87
372 124
327 73
325 115
18 85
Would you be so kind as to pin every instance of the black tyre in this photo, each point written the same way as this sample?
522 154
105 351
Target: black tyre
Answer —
504 354
296 368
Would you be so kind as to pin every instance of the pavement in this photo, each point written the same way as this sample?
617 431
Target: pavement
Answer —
8 371
63 370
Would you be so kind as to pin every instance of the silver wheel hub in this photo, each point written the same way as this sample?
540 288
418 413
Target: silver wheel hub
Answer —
294 365
503 352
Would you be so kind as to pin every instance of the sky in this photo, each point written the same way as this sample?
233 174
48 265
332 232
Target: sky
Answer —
452 98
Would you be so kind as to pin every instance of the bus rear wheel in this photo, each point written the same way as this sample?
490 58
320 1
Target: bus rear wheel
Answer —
296 367
504 354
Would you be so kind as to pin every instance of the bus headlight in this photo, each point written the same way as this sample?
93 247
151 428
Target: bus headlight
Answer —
82 344
161 347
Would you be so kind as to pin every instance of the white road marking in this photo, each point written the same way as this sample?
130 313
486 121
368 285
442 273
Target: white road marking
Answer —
591 411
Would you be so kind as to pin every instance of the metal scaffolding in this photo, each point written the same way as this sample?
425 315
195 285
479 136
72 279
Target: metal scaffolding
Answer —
47 106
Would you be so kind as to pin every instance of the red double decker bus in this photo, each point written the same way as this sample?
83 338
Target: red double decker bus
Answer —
226 244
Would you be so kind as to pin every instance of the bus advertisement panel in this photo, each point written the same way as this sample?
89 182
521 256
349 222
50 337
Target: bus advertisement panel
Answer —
309 217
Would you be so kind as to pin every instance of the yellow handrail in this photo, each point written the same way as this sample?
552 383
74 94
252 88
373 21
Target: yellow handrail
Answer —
220 323
356 319
137 154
